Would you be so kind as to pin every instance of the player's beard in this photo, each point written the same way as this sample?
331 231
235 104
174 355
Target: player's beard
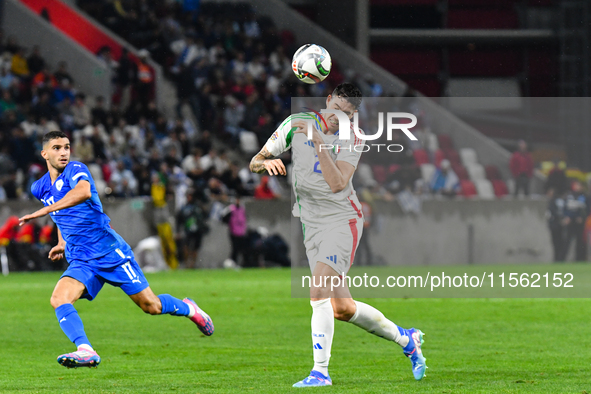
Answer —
59 166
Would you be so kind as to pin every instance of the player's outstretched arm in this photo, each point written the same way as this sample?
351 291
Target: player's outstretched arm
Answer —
263 161
78 194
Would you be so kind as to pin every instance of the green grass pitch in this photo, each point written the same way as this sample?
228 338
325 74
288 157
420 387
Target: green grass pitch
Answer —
262 341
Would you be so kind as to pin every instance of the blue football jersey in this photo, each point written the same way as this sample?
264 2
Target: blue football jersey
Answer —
84 227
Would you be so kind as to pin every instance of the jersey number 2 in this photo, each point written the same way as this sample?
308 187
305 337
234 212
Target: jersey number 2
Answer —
317 167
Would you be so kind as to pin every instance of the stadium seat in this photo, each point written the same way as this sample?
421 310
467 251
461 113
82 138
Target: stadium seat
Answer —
427 171
445 141
468 156
249 142
485 189
393 168
468 189
453 156
492 172
500 188
379 173
476 171
439 156
460 171
421 156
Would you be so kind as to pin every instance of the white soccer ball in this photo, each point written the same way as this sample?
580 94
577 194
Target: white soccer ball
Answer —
311 63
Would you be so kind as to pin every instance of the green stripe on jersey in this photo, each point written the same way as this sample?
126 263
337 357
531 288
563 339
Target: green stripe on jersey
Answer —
289 137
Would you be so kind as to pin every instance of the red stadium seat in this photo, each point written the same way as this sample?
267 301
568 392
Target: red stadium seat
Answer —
468 189
421 156
445 141
460 171
393 168
439 156
492 172
453 156
379 173
500 188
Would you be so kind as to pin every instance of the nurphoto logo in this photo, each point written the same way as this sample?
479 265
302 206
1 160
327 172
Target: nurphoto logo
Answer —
345 130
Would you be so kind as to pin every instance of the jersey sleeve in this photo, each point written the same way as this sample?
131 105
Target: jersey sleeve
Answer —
79 172
350 150
36 189
280 140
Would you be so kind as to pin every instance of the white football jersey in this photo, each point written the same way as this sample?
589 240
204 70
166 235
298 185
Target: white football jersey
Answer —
315 203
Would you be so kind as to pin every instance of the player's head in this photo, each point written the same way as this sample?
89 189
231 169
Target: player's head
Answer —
56 150
347 98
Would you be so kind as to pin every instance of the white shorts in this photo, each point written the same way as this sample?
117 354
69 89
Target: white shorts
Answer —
333 245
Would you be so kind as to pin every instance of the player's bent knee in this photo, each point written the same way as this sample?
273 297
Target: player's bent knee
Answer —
57 301
344 312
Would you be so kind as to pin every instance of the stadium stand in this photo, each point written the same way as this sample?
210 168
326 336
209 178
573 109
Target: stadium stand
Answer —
230 66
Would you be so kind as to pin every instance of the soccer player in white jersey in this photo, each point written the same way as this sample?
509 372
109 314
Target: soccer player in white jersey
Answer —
332 223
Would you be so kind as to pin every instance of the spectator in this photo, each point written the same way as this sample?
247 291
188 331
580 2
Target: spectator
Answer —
84 150
43 107
231 178
145 79
62 92
35 61
82 116
445 181
191 227
263 190
66 114
19 65
235 217
126 74
557 180
98 113
62 73
576 211
555 217
21 149
7 103
44 79
522 168
122 181
159 194
204 142
7 80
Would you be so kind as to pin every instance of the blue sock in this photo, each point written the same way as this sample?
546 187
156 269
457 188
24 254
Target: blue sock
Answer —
173 306
71 324
402 331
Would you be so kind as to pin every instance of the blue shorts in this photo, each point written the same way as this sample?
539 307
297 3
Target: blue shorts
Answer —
115 268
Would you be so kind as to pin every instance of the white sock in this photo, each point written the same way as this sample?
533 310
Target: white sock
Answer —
322 332
374 322
86 346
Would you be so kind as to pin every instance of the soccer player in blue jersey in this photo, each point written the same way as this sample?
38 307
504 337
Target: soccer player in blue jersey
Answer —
95 252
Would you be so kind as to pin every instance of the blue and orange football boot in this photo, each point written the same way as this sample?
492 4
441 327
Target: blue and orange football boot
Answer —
414 352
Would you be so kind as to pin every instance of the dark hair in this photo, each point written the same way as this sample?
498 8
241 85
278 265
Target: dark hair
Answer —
349 92
52 135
